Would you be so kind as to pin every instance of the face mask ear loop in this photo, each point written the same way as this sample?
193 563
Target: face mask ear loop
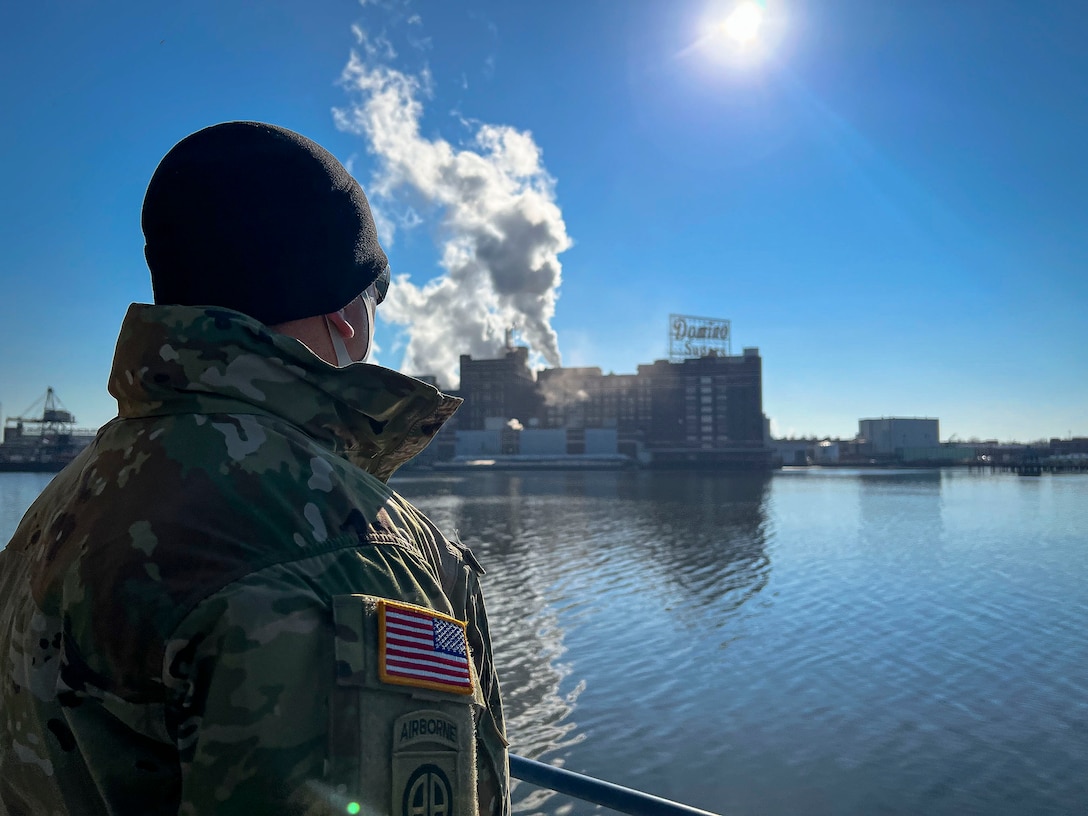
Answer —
369 304
342 356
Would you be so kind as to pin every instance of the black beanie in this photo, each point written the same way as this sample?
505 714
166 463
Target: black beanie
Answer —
259 219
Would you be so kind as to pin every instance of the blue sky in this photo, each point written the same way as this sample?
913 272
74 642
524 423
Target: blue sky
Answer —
888 199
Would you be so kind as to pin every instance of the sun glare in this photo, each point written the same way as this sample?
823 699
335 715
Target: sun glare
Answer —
744 23
738 34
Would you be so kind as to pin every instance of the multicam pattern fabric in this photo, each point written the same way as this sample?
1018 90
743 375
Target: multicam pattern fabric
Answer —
169 641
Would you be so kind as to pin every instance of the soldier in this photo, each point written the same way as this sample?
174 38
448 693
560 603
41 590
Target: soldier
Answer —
220 606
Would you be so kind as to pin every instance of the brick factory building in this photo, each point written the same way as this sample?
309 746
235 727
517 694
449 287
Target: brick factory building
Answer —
690 413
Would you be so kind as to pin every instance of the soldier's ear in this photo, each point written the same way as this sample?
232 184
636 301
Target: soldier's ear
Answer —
337 319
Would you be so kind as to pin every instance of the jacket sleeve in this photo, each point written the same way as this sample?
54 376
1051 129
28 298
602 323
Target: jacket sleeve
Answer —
278 705
249 674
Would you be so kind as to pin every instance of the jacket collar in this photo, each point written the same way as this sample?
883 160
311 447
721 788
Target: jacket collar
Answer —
209 360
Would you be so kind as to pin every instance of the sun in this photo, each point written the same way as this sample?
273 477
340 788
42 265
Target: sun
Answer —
738 34
742 26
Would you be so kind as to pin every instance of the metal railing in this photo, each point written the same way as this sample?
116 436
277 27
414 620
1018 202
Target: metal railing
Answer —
597 791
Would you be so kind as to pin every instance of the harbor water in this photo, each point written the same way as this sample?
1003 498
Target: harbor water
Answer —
807 642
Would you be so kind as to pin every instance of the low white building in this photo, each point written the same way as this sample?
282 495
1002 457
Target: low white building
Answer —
601 441
793 452
801 452
886 435
826 452
504 439
544 442
478 443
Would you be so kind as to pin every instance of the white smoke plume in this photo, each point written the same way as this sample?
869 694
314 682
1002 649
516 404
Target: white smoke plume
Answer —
566 386
500 228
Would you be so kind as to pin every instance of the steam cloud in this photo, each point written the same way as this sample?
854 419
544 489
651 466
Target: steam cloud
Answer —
500 228
566 387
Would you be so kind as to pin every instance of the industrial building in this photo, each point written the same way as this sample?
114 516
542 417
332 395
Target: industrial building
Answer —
696 412
804 452
887 435
503 388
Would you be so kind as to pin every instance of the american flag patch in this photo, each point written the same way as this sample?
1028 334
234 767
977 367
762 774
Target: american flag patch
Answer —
420 647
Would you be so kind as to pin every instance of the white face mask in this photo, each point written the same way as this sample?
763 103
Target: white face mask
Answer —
343 358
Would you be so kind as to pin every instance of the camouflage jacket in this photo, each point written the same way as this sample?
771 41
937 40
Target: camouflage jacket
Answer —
220 607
